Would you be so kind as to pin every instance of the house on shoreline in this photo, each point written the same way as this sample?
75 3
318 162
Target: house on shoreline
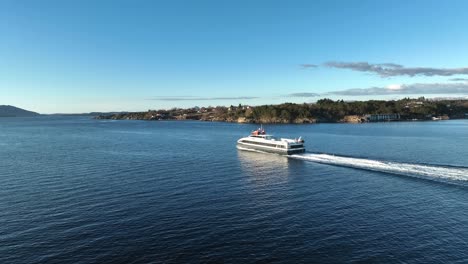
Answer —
382 117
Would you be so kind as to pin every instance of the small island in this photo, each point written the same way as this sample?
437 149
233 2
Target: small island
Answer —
323 111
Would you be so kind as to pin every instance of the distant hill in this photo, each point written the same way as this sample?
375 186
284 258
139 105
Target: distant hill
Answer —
11 111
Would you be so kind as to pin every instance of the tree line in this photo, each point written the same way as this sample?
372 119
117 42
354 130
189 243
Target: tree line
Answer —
324 110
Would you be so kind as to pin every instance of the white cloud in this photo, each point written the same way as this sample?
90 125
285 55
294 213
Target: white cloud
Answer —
394 87
416 88
392 69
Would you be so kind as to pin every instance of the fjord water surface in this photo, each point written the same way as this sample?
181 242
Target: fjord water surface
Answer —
78 190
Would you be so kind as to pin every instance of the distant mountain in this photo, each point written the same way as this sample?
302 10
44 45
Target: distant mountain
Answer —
11 111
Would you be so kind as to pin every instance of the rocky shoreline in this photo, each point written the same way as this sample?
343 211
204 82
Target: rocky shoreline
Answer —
354 119
148 116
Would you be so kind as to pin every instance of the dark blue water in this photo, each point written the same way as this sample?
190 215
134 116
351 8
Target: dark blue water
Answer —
77 190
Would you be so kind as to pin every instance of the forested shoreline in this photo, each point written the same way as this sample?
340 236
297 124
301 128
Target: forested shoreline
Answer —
323 111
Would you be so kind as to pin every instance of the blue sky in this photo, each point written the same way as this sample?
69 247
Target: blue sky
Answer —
81 56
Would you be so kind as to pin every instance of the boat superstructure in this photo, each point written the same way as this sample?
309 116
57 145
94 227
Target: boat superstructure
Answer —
260 140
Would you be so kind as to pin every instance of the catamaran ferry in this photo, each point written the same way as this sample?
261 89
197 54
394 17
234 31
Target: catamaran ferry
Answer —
259 140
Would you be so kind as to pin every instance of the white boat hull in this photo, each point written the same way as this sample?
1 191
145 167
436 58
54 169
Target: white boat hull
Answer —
277 150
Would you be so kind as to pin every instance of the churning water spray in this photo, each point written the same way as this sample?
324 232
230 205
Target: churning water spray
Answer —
406 169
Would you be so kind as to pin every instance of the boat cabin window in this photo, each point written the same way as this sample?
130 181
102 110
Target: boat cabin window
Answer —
268 137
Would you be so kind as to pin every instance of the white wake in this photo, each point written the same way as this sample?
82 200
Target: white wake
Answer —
406 169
